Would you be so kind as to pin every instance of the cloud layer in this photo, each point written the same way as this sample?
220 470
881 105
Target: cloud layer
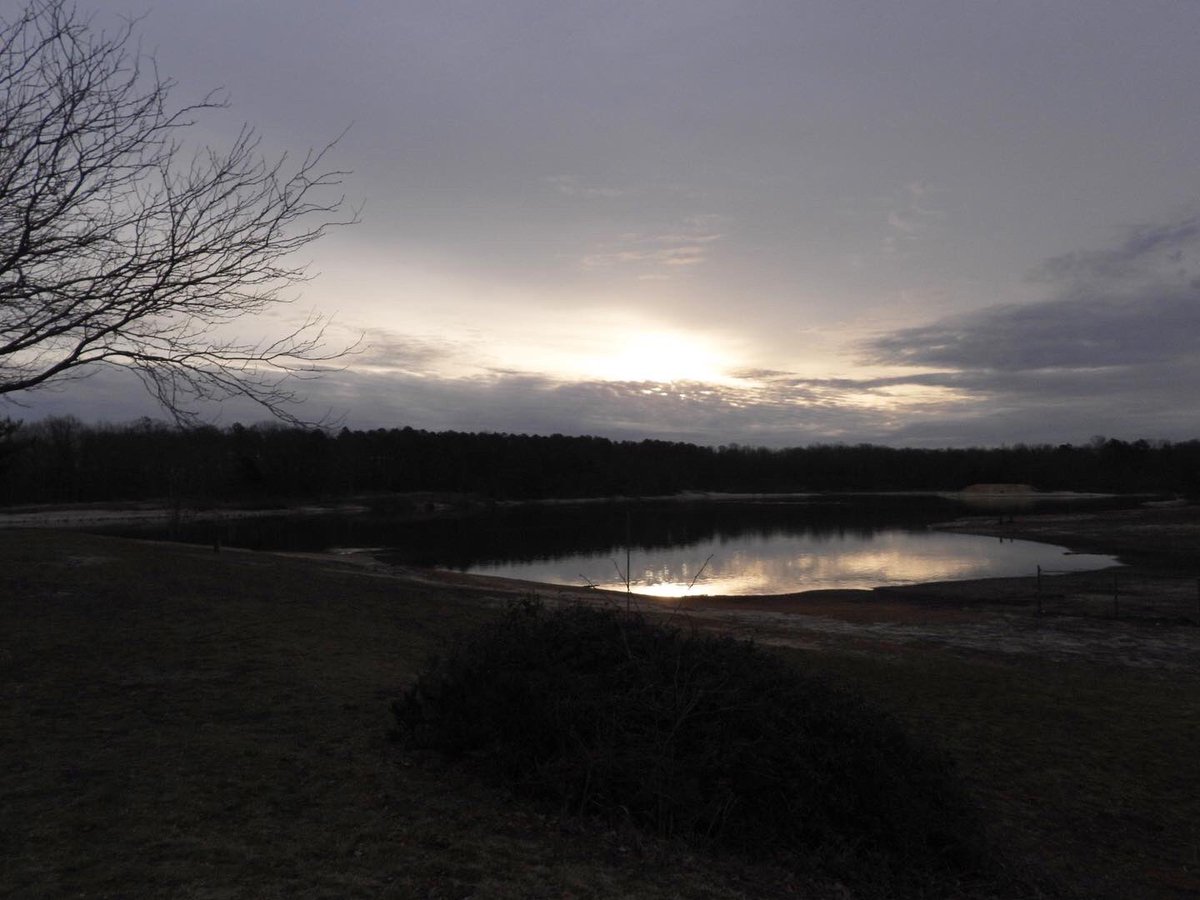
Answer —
1113 346
835 202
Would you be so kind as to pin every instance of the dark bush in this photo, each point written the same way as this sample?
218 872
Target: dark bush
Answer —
686 734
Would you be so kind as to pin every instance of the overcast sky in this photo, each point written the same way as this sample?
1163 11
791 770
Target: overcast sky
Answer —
914 223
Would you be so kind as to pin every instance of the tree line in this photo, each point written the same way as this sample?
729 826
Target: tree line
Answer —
61 460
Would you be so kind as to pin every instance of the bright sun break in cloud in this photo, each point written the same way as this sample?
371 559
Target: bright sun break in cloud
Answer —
659 356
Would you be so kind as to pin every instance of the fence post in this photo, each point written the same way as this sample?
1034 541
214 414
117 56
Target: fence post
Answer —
1116 599
1039 589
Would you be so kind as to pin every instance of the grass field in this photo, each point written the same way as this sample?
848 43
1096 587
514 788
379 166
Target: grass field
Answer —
181 723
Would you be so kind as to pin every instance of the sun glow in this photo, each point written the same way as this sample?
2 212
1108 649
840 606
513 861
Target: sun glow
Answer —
658 356
895 398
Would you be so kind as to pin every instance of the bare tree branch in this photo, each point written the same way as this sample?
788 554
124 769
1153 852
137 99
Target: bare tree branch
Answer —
118 248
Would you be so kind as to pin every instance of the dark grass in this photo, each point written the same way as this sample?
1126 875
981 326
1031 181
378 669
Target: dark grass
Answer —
179 723
690 735
1086 771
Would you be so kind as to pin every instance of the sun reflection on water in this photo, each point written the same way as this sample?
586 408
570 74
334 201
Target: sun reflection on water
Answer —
790 563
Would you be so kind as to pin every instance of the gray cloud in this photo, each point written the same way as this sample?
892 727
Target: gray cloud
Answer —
910 218
573 186
1082 331
782 410
1112 349
505 144
516 402
1135 304
684 244
385 350
789 410
1147 251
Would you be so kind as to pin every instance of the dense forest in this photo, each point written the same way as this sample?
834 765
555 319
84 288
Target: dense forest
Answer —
63 460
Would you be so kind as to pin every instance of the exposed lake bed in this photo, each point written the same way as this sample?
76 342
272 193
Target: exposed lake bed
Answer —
677 546
872 568
239 675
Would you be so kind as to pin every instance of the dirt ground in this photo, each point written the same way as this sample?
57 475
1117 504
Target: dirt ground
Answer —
176 722
1144 613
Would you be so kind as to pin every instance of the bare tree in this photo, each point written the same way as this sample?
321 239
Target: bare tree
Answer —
118 246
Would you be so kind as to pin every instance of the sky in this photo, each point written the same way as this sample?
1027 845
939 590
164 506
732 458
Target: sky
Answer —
908 222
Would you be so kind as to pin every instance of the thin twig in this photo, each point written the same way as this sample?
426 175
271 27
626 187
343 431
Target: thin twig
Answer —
621 575
699 572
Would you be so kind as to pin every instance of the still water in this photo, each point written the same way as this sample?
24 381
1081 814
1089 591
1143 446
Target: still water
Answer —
785 562
684 548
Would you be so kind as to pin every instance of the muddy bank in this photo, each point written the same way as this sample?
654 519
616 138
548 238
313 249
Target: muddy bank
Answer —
1142 614
1154 535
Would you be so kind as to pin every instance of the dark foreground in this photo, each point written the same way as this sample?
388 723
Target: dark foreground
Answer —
188 724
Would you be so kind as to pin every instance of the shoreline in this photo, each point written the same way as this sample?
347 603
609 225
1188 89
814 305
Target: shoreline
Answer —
1158 539
70 516
425 504
1142 613
231 711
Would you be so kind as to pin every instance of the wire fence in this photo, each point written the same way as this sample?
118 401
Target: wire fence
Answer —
1118 594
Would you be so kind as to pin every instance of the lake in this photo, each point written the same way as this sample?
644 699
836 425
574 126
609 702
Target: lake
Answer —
688 547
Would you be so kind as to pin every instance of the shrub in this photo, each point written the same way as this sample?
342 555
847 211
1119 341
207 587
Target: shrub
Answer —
686 734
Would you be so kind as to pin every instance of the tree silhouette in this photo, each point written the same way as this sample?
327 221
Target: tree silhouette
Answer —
120 247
